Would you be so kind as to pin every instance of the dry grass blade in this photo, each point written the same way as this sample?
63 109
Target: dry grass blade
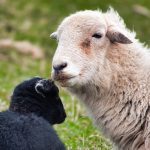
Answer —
141 10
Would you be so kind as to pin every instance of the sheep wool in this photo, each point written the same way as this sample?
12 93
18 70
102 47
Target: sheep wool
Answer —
108 69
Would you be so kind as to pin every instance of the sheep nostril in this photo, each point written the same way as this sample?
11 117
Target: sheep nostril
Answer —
60 67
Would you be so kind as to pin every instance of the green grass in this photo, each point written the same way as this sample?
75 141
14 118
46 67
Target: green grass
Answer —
34 20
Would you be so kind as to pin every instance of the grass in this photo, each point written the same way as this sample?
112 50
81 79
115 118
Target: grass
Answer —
34 20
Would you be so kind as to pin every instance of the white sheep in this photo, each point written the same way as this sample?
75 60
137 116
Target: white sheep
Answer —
99 60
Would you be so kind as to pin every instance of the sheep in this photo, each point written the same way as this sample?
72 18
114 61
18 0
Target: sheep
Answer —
101 62
27 124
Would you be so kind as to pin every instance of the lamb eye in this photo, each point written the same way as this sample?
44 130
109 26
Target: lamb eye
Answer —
97 35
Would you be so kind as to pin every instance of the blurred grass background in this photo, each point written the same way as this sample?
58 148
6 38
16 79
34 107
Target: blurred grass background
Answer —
34 20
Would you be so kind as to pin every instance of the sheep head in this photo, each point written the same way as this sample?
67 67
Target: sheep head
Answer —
38 96
83 41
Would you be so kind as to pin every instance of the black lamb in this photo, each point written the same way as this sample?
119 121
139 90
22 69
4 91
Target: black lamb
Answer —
27 124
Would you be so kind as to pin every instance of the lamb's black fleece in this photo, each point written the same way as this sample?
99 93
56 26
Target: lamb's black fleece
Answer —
26 125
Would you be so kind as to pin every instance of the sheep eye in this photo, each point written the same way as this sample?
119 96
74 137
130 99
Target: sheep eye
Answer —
97 35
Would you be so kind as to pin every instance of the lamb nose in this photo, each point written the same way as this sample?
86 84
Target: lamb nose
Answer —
60 67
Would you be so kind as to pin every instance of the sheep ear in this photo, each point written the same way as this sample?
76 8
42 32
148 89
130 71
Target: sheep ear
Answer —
53 35
117 37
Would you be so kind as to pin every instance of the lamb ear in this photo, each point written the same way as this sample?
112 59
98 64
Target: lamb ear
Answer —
53 35
117 37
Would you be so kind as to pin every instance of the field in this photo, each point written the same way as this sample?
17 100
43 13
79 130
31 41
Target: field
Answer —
34 20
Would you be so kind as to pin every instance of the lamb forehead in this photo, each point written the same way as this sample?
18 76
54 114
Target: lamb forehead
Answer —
83 20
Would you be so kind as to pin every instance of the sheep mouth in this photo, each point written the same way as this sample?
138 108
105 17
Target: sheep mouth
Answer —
62 78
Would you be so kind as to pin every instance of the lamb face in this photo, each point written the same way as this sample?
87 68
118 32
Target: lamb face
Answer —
83 40
38 96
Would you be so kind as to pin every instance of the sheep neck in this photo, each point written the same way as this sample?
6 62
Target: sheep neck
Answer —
117 107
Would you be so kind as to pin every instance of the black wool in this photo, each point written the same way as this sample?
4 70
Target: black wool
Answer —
27 125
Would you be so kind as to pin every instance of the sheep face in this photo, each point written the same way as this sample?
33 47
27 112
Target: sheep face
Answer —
38 96
81 45
83 39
